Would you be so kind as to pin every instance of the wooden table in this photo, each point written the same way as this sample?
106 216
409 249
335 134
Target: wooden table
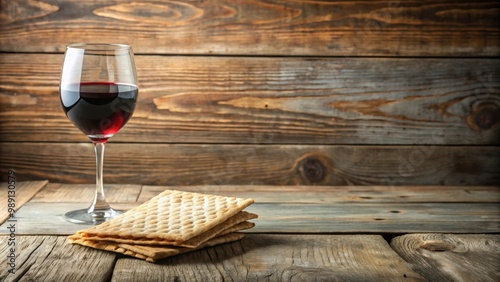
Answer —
303 233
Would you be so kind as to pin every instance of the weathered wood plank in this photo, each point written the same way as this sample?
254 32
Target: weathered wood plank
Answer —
450 257
394 218
50 258
190 164
20 191
278 258
273 100
115 193
272 27
339 194
45 218
377 218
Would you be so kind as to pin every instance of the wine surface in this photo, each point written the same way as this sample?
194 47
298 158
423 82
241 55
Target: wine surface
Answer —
99 109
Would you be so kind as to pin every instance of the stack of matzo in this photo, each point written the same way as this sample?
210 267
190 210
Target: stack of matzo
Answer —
171 223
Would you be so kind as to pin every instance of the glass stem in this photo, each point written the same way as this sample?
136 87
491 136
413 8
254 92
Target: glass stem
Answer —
99 206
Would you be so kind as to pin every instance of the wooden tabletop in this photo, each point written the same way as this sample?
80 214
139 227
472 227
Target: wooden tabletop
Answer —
303 233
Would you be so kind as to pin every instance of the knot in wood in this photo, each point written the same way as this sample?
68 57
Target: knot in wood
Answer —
313 169
486 118
437 245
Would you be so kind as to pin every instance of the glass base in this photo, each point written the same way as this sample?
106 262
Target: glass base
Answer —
95 217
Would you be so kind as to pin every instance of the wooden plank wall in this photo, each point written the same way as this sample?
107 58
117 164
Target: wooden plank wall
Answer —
264 91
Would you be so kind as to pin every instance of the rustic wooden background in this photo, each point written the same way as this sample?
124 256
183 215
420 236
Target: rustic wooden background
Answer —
264 91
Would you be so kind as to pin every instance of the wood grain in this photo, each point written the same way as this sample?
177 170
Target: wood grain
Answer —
451 257
190 164
257 27
278 258
335 194
23 191
115 193
339 218
296 209
51 258
273 101
47 218
282 257
377 218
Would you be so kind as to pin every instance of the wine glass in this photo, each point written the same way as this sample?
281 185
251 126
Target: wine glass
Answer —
98 92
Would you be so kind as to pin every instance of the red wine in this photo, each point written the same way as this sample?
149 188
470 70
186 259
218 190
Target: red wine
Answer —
99 109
